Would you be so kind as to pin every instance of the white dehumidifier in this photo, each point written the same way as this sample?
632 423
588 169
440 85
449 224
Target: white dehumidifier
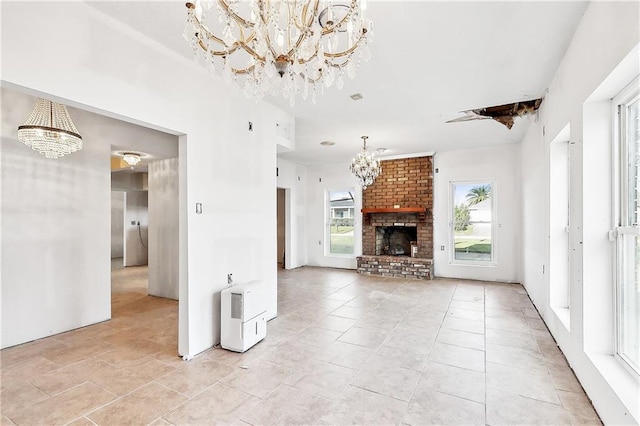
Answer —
243 316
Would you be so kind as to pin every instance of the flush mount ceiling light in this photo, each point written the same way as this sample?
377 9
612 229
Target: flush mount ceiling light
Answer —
327 143
287 47
50 131
365 167
131 158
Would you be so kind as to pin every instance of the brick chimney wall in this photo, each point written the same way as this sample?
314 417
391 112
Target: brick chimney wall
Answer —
406 182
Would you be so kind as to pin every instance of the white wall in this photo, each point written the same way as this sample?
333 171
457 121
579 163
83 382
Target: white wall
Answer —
497 164
320 180
55 232
598 63
136 238
125 180
293 178
163 228
117 224
222 165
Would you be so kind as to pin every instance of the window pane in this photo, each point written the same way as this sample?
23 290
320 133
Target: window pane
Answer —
632 164
472 221
628 287
629 302
341 219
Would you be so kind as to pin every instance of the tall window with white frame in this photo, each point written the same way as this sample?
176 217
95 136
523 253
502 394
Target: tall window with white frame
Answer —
340 224
627 106
472 213
559 200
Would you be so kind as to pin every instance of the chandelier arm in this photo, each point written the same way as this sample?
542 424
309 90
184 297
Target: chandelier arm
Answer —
245 46
348 51
352 9
303 34
243 71
344 53
236 17
264 15
236 45
267 40
307 22
206 30
297 46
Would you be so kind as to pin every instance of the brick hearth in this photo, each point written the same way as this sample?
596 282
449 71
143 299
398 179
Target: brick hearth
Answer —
395 266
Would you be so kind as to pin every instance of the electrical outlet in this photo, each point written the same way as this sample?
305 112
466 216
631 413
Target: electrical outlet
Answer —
133 223
319 242
441 248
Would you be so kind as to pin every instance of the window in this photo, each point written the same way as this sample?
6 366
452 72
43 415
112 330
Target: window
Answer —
341 215
627 230
472 223
559 189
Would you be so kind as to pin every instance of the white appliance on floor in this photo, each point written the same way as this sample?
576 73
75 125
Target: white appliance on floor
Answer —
243 316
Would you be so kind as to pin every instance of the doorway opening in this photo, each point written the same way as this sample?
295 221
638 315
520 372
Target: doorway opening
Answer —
145 228
281 251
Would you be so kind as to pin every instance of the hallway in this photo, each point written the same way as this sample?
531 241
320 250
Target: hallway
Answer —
345 349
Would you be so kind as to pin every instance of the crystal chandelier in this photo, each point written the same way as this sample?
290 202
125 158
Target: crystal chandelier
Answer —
50 131
280 46
364 166
131 158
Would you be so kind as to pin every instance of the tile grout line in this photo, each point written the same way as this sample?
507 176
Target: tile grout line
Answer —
484 310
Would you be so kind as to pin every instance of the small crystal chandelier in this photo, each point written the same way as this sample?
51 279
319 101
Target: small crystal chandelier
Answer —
131 158
281 46
50 131
365 167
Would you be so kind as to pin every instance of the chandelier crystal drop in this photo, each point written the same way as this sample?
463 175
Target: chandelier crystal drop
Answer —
50 131
280 46
365 167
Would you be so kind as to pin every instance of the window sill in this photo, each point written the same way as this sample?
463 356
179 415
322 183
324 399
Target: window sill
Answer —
474 264
563 315
341 256
623 382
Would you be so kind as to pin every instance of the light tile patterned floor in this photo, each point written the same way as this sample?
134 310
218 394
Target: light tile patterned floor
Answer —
345 349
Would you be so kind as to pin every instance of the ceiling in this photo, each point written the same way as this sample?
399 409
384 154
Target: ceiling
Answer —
430 60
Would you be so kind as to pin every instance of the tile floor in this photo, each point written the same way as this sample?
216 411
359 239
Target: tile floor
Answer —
345 349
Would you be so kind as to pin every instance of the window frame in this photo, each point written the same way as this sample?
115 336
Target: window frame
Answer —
452 255
560 205
620 207
328 218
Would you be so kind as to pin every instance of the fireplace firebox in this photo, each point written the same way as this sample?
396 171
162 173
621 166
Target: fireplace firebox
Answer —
395 240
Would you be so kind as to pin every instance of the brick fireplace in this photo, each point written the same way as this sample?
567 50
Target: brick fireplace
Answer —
397 208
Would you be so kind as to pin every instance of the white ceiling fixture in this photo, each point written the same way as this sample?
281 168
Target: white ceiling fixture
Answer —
364 166
131 158
308 44
50 131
